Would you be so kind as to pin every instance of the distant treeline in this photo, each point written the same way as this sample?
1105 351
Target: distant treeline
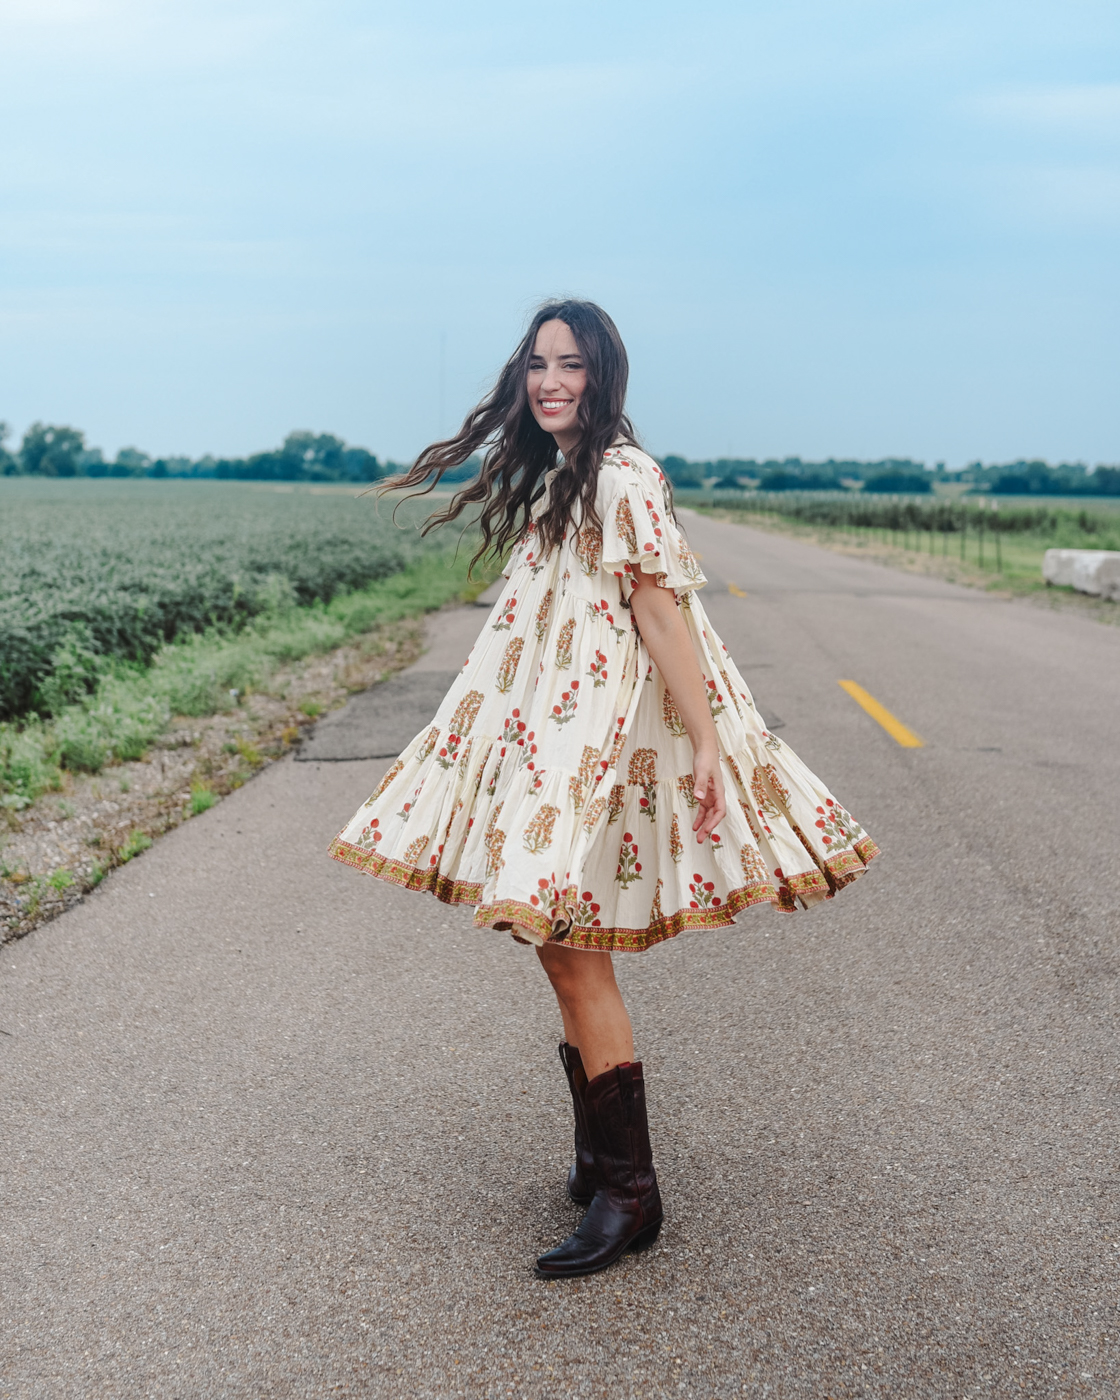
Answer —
894 476
48 450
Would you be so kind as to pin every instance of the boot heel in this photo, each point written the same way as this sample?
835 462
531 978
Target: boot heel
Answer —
644 1238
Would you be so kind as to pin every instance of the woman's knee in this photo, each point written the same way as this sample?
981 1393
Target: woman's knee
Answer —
574 972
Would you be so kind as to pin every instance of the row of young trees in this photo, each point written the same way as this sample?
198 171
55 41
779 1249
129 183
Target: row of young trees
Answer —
48 450
893 476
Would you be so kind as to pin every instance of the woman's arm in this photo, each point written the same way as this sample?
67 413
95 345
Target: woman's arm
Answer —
666 637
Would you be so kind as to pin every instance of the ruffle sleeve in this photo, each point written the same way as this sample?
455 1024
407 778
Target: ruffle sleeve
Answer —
638 530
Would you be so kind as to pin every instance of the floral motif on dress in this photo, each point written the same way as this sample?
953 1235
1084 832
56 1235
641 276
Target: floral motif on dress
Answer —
729 688
703 893
749 815
547 895
676 849
715 700
430 741
492 785
598 669
690 565
451 822
508 669
614 807
593 812
407 808
754 867
618 745
537 836
369 835
580 783
415 849
585 912
624 524
656 917
542 615
629 866
643 773
564 645
671 717
566 709
589 548
495 839
513 728
836 825
527 744
466 712
655 522
760 777
603 609
389 777
686 786
507 616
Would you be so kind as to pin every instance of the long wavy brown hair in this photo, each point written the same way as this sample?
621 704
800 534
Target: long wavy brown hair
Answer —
520 451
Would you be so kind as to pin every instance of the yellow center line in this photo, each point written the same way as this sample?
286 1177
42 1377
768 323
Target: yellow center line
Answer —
894 727
735 590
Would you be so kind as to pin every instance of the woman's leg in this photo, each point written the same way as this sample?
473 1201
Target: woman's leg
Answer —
595 1019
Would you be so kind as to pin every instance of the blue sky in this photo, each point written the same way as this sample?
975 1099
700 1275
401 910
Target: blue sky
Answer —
856 228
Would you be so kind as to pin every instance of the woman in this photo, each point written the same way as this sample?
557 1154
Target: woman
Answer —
573 780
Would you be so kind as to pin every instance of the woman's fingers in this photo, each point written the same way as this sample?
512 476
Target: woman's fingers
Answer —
711 807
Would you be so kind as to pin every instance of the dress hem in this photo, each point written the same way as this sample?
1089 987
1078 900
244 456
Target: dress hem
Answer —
809 887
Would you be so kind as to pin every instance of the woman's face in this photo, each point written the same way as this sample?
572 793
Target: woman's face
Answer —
557 380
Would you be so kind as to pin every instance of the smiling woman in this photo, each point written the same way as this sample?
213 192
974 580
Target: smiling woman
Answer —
572 781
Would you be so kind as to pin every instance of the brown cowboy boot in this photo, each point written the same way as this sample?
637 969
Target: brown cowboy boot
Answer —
625 1212
581 1176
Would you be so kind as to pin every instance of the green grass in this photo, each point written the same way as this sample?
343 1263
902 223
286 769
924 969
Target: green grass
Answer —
203 798
132 705
137 842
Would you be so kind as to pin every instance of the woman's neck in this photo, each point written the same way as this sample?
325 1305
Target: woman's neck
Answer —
567 442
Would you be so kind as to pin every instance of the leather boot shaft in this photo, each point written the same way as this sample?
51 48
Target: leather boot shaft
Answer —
582 1178
616 1115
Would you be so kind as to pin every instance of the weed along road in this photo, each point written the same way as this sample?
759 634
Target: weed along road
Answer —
276 1129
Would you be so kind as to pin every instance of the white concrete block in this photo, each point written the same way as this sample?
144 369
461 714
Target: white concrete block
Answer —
1094 571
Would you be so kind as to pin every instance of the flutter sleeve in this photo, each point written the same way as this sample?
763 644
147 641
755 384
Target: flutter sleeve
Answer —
638 530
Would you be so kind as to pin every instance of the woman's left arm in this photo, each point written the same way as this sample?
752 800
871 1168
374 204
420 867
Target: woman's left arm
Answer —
666 637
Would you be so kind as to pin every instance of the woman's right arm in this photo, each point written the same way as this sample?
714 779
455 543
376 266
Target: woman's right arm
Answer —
667 639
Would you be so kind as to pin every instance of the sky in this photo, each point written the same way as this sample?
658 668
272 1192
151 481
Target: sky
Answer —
857 229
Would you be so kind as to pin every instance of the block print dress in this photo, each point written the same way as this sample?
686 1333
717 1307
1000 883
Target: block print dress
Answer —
554 790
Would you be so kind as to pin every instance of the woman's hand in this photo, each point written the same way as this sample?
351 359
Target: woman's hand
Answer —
708 791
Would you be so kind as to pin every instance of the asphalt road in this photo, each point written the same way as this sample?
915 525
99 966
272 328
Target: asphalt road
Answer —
274 1129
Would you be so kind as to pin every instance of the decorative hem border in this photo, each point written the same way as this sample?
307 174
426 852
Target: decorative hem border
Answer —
805 889
409 877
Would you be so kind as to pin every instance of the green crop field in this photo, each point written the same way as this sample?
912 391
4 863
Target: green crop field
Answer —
123 603
92 570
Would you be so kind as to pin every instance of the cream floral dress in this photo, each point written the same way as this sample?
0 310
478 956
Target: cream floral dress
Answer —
554 788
